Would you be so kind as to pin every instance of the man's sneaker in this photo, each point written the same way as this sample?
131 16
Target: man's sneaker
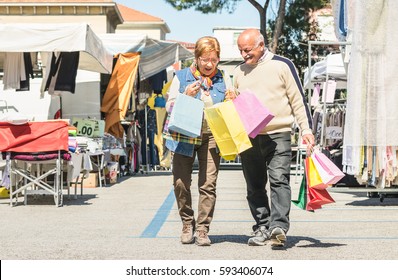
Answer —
187 234
278 237
202 239
260 238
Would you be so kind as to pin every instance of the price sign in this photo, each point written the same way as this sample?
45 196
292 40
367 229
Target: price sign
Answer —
84 127
99 128
334 132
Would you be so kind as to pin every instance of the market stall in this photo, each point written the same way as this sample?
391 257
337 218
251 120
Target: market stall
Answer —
51 48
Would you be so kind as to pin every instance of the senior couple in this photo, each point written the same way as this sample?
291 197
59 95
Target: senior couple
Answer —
276 84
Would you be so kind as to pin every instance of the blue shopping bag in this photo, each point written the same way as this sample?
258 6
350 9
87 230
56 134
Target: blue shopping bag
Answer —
186 116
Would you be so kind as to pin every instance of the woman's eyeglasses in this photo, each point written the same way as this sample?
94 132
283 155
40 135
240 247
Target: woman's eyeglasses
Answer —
205 61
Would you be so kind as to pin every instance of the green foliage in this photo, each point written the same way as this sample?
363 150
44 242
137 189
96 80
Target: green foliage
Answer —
292 42
204 6
297 30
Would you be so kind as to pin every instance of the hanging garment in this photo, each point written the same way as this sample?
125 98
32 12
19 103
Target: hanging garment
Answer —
158 80
14 70
62 74
118 93
24 84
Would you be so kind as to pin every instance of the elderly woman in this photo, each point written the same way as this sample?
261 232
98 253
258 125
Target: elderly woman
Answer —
202 80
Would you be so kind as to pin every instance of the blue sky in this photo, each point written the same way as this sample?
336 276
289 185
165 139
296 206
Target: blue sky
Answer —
189 25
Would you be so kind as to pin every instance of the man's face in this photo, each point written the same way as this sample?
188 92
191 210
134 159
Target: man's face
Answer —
250 50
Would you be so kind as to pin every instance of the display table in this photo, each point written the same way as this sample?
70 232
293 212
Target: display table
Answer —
97 159
29 146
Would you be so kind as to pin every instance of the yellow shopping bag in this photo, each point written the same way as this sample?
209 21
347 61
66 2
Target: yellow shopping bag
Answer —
228 130
314 179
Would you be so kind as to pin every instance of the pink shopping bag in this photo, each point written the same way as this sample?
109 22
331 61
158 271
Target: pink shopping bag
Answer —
327 170
251 111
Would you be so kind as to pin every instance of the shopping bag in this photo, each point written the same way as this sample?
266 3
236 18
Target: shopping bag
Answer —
311 199
301 201
228 130
309 207
328 172
252 113
177 142
186 116
314 179
317 198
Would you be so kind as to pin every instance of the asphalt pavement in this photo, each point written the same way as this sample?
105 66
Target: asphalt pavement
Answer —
137 219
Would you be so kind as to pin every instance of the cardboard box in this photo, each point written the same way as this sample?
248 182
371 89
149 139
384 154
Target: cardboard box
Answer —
91 181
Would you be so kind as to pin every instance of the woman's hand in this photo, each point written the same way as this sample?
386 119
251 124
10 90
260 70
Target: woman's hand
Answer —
230 94
192 89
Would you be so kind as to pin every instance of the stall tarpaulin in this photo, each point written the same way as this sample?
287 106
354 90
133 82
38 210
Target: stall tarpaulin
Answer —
64 37
34 137
156 55
118 93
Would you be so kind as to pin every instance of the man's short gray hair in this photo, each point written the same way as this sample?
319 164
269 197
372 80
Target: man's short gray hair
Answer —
259 39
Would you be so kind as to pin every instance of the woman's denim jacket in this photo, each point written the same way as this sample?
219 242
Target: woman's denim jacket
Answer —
217 93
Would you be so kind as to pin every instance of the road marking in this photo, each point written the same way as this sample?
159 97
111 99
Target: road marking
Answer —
160 217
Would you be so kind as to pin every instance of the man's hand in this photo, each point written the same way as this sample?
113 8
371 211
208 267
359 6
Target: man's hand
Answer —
310 141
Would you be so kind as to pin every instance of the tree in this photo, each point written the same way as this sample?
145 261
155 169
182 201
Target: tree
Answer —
297 29
213 6
285 34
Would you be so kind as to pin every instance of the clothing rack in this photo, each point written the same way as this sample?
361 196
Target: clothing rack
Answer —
340 103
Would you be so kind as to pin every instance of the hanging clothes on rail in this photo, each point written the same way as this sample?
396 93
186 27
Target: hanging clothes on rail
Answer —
62 73
148 128
372 99
18 69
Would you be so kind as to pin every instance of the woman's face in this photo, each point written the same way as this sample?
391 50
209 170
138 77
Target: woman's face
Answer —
207 63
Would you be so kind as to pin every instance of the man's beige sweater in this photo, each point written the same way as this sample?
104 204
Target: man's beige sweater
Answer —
275 82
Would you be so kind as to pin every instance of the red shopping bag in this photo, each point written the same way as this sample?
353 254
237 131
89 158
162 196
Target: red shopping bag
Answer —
252 113
317 198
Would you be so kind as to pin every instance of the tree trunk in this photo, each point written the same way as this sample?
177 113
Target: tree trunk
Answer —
278 25
263 26
263 17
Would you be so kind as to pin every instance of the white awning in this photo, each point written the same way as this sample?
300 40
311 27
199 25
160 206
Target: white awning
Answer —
156 55
57 38
333 66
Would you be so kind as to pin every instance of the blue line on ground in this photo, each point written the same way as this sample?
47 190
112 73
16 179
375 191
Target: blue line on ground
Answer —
160 217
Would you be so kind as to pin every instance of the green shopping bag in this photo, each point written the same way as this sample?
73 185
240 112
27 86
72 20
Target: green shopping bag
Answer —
301 201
